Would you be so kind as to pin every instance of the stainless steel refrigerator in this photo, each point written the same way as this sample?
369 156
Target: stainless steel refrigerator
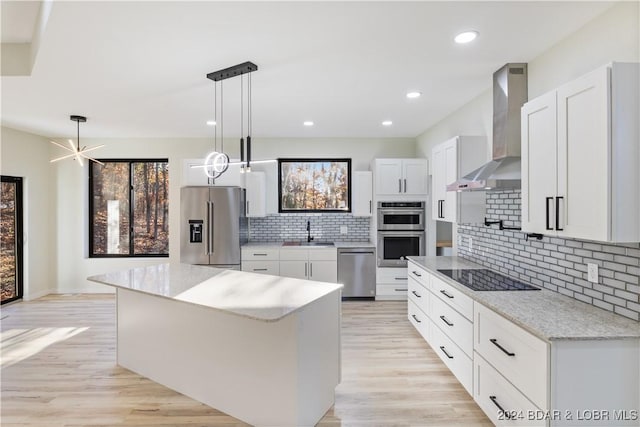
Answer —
213 226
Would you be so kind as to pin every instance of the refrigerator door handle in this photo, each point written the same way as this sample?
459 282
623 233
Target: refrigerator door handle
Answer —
208 237
211 228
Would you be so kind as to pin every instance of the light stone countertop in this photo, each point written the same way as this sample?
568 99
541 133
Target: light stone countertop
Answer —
336 244
546 314
256 296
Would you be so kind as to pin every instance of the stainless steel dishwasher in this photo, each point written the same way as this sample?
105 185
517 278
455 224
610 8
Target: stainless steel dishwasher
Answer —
357 272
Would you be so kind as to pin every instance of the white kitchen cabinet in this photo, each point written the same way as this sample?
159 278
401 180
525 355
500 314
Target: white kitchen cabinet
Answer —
362 193
391 283
400 176
256 197
263 260
450 161
581 158
319 264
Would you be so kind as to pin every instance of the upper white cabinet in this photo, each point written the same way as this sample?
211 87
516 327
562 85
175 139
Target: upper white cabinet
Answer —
256 203
450 161
581 158
401 176
362 193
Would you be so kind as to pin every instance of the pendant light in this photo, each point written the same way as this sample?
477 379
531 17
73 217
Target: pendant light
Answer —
76 152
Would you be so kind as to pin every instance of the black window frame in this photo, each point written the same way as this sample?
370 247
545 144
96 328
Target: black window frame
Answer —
19 232
131 253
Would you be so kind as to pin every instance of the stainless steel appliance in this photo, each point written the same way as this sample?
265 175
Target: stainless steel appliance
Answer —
503 172
401 216
357 272
400 232
486 280
213 226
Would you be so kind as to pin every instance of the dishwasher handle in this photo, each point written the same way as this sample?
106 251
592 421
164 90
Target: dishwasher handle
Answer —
356 253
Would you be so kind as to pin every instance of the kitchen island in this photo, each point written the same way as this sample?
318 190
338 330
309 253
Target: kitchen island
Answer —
260 348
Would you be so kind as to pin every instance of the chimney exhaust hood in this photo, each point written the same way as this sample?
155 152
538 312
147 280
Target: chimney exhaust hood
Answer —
503 172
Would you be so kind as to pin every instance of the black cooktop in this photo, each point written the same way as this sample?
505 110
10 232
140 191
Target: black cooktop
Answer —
487 280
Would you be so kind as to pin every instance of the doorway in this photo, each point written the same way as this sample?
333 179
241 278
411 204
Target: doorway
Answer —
11 226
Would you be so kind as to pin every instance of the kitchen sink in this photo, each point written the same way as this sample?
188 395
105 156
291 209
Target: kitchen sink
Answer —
297 243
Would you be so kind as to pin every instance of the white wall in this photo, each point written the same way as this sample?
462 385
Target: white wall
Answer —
613 36
26 155
71 204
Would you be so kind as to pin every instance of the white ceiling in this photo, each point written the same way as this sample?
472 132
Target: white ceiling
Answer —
18 20
138 69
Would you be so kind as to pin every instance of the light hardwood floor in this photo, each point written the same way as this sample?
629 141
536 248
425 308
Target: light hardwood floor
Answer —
58 369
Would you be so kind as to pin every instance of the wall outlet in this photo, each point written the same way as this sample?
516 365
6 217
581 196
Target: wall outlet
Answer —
592 272
470 244
343 229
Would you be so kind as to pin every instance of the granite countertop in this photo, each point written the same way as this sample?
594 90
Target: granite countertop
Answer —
337 244
546 314
256 296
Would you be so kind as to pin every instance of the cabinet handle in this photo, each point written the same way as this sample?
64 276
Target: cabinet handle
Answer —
399 185
416 319
495 402
259 254
401 289
401 278
370 207
310 269
417 274
443 292
504 350
305 270
558 213
405 185
444 319
247 207
445 352
416 294
546 208
259 269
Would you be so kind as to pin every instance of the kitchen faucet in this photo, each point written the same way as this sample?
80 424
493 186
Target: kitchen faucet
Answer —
309 237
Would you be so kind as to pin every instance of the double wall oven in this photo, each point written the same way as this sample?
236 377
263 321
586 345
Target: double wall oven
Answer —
400 232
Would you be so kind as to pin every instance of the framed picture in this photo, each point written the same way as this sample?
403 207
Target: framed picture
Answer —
314 185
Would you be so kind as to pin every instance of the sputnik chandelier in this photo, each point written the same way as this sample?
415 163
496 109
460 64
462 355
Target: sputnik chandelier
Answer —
217 162
76 152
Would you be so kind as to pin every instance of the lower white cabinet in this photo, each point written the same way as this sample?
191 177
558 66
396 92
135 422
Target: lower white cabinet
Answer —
319 264
517 378
391 283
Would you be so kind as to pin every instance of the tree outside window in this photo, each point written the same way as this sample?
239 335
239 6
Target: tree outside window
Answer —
129 208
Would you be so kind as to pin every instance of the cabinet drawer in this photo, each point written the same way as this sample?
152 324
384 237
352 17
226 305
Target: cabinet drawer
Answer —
419 320
391 275
289 254
323 255
458 363
388 291
453 324
419 295
263 267
492 392
519 356
260 254
419 274
456 299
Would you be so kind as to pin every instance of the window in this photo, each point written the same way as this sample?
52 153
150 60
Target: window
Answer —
314 185
129 208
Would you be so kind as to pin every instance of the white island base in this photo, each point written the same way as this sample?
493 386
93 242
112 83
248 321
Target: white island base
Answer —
276 372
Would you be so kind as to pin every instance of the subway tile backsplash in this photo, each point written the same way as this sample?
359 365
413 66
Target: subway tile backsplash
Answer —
554 263
324 227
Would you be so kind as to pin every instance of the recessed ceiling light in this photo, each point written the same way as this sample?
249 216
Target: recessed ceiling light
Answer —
412 95
308 123
466 37
387 123
211 122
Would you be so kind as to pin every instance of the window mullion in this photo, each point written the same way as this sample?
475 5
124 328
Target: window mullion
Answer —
131 210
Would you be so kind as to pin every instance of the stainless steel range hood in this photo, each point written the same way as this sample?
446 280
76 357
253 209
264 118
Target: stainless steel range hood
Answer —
503 172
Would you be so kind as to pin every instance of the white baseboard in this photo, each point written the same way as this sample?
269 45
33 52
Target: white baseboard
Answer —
36 295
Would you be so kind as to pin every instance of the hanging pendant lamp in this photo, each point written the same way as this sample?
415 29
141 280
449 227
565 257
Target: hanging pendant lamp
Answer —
76 152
